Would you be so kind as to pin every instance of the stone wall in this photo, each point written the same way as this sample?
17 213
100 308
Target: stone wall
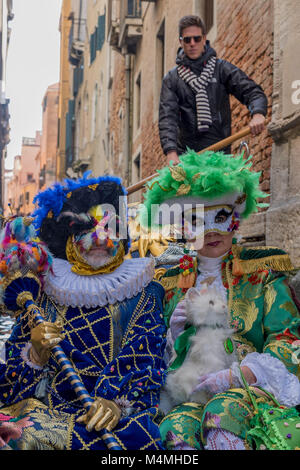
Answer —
117 106
283 216
245 38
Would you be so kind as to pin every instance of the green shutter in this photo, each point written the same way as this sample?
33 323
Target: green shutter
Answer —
77 78
93 46
100 32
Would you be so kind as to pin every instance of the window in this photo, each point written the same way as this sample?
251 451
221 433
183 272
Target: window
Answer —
137 168
97 38
206 9
161 51
100 32
93 46
29 177
209 14
45 104
27 197
136 174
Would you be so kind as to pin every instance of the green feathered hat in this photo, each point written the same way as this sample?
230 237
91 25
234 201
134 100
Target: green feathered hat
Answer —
210 179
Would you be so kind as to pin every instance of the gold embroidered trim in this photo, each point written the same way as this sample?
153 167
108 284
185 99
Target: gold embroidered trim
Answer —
159 273
275 262
23 297
179 414
169 283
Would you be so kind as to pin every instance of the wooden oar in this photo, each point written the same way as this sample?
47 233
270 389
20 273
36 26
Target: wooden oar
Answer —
215 147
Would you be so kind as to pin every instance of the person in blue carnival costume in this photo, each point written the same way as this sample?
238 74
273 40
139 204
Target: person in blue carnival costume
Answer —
106 314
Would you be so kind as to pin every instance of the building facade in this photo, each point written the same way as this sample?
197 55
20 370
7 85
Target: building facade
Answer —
91 103
35 168
65 86
23 183
282 219
6 15
128 46
146 37
48 153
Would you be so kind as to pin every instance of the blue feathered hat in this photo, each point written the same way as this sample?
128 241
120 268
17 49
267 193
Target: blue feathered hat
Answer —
56 216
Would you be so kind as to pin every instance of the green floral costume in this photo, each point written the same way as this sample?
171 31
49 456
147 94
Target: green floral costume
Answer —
265 318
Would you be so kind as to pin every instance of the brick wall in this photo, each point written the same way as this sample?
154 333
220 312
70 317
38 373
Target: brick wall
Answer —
153 156
245 38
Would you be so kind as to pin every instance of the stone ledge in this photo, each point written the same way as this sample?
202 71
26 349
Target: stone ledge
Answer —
281 127
282 228
254 226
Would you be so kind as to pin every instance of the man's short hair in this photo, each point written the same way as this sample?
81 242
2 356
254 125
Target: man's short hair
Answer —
191 20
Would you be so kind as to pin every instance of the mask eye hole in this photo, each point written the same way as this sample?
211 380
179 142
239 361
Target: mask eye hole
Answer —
196 220
222 216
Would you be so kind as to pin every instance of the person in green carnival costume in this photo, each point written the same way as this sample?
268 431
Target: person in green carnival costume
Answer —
253 282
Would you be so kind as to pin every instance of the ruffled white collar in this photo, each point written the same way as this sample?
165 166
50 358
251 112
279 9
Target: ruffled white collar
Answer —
68 288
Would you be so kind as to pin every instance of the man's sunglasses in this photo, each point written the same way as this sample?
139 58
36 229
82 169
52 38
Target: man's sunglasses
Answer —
187 39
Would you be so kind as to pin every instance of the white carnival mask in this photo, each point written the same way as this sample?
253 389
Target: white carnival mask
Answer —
221 219
193 217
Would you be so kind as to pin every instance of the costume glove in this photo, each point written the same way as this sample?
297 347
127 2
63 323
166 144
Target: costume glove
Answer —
44 337
217 382
102 414
178 320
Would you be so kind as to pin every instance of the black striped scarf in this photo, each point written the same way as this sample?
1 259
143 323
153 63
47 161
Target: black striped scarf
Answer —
199 85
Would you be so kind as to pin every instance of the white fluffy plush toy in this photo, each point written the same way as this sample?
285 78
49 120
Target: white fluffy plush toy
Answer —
211 349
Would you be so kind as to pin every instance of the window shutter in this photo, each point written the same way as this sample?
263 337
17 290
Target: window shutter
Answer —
93 46
100 32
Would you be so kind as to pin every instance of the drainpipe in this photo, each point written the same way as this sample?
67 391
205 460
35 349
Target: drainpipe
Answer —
107 117
127 146
79 21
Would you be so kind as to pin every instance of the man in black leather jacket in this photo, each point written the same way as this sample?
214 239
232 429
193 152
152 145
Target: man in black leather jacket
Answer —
188 120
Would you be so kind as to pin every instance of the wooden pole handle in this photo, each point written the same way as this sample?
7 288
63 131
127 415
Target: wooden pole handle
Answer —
215 147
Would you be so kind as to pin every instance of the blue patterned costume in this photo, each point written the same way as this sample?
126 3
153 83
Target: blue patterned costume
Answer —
117 352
